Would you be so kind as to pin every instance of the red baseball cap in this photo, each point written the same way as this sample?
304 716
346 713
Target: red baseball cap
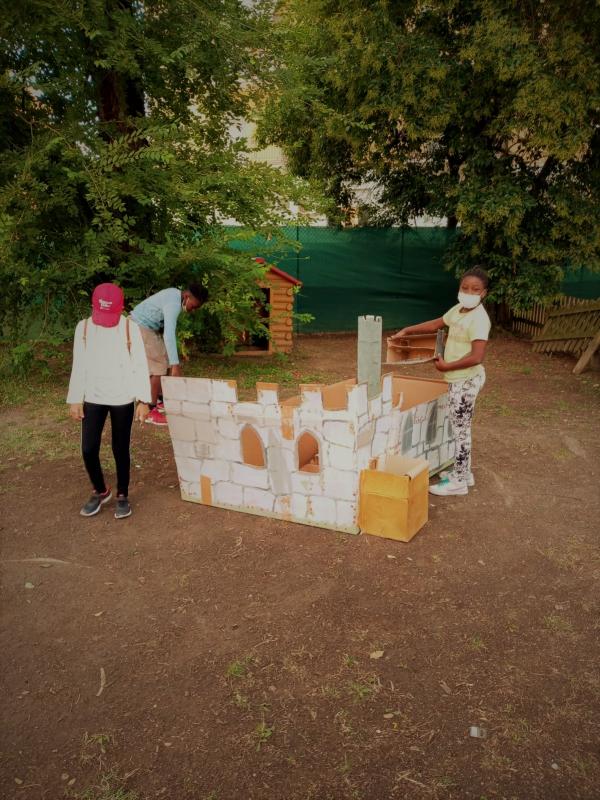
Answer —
107 305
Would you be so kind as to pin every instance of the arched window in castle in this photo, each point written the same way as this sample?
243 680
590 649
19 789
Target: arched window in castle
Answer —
253 451
449 430
432 424
308 453
407 433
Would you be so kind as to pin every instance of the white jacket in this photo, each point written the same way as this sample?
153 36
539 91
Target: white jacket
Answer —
104 370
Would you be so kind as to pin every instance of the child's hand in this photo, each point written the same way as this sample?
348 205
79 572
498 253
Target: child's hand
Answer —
76 411
440 364
400 335
141 412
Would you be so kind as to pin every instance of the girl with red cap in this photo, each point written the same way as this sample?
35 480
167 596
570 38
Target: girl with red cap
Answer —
109 377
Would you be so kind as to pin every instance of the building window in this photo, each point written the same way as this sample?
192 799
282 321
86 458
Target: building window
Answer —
407 433
253 452
432 424
308 453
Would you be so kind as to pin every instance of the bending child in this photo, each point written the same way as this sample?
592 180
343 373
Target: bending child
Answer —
157 317
468 332
109 374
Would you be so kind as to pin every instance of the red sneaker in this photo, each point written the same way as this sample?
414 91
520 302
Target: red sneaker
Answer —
160 407
156 418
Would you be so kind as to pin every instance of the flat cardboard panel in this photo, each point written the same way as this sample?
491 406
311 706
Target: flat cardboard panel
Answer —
335 396
402 465
384 484
416 390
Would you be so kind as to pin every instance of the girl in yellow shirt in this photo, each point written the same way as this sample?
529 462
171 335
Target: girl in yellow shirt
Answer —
468 332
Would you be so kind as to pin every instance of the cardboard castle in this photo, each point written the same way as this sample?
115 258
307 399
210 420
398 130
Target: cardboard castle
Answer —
300 459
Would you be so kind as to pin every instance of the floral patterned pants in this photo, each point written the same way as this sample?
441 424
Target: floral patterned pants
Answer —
461 399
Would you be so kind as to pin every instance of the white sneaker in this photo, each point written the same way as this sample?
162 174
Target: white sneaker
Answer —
448 487
448 474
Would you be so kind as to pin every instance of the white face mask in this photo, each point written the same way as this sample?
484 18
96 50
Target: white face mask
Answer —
468 300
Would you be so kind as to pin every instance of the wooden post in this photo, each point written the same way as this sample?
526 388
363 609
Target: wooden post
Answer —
587 356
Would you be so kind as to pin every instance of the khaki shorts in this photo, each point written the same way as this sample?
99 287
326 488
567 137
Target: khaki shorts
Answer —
156 352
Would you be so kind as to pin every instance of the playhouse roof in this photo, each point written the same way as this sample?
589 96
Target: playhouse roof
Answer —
281 274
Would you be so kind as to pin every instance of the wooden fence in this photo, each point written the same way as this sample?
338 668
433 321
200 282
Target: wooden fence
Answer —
529 323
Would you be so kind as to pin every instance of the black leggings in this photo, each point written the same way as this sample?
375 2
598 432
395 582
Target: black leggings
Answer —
92 424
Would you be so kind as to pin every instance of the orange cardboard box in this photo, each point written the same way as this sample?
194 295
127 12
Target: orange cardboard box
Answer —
394 499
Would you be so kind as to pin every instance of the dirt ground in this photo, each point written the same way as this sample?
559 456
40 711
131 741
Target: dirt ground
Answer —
194 653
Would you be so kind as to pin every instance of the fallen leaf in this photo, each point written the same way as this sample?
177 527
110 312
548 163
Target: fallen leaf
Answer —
29 585
99 613
376 654
102 682
445 687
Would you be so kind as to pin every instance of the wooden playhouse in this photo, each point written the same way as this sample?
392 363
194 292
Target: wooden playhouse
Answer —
276 308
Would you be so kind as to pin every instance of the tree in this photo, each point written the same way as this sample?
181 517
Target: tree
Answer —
483 112
117 160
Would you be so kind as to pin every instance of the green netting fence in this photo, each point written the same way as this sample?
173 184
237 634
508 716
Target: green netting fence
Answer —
395 273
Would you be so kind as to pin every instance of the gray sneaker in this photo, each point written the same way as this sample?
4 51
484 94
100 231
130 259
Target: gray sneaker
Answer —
95 503
123 508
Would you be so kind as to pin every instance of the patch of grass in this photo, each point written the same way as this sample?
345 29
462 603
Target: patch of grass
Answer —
496 762
584 765
363 690
561 454
445 782
563 405
94 747
341 719
521 369
476 643
330 691
37 382
519 731
262 734
349 661
239 668
108 788
345 766
24 442
281 369
241 701
100 740
557 624
573 554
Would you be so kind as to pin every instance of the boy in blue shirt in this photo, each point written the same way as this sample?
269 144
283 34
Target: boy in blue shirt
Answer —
157 320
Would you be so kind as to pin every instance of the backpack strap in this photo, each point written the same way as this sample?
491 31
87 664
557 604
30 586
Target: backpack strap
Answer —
127 333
